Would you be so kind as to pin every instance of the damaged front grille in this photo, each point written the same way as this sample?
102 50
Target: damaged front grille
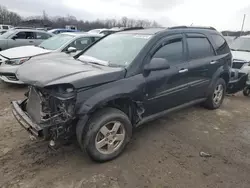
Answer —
45 107
33 105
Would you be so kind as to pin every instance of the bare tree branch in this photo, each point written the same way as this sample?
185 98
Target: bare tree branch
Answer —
8 17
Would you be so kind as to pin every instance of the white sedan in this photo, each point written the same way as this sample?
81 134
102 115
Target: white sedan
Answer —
69 43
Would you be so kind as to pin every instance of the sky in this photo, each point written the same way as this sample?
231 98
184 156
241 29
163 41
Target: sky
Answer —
221 14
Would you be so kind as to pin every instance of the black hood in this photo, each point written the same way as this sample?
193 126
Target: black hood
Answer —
52 71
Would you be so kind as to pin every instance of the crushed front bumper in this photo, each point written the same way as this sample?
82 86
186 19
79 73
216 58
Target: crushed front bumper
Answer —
25 120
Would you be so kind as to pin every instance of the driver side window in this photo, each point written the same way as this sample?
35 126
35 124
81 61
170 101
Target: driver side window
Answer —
25 35
171 50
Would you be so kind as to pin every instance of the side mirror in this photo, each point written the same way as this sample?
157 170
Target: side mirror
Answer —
14 37
157 64
71 49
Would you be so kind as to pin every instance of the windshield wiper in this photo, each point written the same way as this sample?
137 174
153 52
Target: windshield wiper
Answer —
242 50
89 59
99 63
94 62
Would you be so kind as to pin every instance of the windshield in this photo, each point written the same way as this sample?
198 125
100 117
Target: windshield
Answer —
7 34
56 42
241 44
118 49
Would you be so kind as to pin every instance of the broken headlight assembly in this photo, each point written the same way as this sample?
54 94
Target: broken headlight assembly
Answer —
52 105
62 91
60 101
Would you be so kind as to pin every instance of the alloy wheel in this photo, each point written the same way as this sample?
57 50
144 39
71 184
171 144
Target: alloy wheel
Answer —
218 94
110 137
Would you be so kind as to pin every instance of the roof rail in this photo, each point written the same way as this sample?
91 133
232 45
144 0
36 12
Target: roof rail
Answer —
192 27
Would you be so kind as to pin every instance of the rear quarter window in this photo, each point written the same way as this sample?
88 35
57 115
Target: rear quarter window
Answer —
220 44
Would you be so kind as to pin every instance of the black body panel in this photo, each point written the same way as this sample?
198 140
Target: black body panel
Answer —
188 80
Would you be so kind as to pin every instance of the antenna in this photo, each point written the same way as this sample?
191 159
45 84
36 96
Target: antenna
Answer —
243 22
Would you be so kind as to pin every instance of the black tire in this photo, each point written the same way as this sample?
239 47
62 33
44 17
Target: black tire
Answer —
209 103
246 91
87 136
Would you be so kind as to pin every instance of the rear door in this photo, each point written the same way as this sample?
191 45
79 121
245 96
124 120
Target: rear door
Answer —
202 63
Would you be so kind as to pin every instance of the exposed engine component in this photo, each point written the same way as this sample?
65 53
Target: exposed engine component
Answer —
52 106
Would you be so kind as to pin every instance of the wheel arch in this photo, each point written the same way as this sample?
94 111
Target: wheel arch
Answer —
220 73
122 102
225 76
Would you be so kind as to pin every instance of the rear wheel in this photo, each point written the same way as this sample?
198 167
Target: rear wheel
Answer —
216 97
246 91
106 135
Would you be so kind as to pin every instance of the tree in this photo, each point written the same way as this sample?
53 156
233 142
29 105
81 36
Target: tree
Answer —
124 21
8 17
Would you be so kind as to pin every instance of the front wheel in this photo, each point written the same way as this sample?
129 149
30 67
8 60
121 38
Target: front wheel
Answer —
246 91
106 135
216 97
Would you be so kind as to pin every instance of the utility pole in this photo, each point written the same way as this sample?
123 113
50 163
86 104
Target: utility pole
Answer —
243 22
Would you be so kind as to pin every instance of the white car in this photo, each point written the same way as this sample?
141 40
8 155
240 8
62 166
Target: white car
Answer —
240 48
105 31
70 43
4 28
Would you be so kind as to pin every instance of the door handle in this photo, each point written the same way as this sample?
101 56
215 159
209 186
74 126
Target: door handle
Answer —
31 41
213 62
183 70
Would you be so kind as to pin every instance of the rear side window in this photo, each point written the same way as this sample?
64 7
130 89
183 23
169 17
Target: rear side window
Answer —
5 27
171 51
221 46
199 47
42 36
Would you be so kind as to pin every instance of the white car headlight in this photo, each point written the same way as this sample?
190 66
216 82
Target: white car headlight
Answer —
16 61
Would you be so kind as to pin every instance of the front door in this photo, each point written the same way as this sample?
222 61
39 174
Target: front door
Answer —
22 39
168 88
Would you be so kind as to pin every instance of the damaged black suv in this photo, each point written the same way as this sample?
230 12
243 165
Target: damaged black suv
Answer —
120 82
